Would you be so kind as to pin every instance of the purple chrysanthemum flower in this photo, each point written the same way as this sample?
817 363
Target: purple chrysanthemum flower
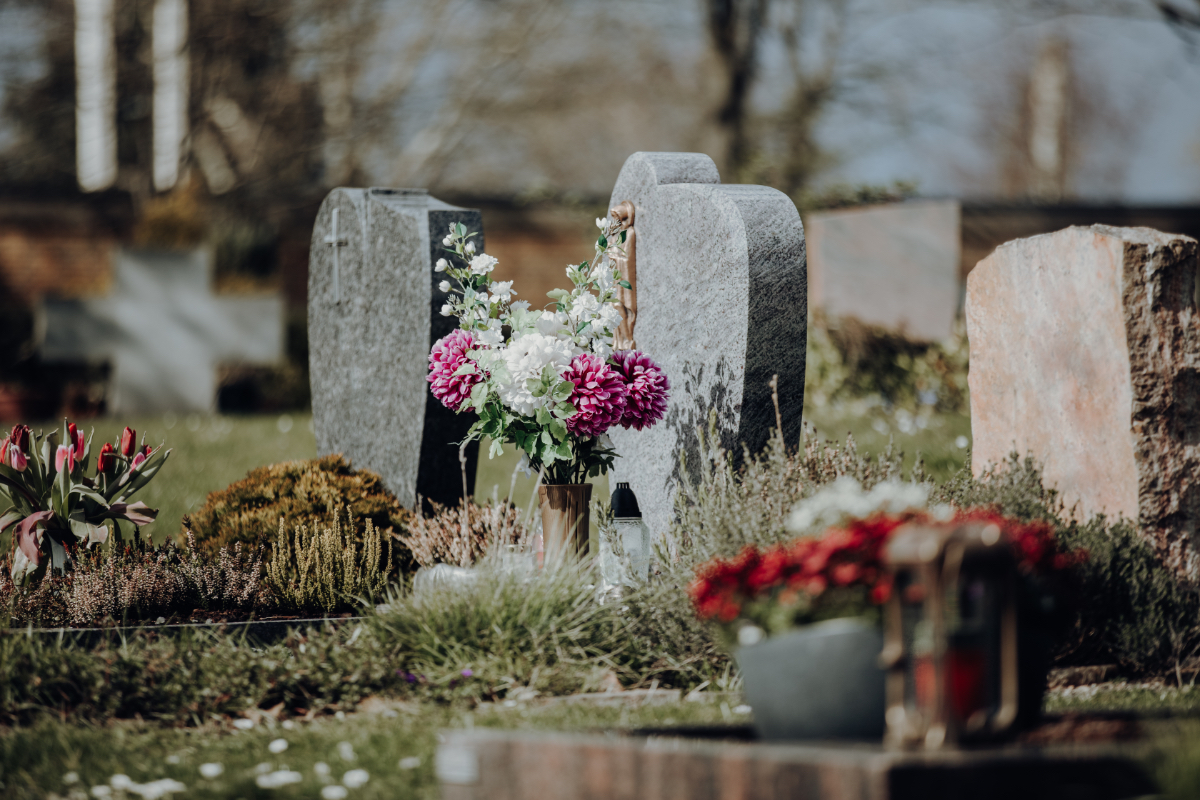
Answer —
468 672
448 354
646 389
599 396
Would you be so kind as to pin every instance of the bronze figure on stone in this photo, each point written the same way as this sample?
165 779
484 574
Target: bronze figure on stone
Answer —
626 261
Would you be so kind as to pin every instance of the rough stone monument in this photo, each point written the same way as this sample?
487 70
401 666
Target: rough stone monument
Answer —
164 331
373 306
895 265
721 299
1085 353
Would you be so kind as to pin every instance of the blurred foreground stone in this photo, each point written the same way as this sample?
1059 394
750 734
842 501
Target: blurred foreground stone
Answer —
500 765
1085 353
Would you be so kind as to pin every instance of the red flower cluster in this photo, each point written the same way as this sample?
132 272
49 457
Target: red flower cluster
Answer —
1033 543
843 557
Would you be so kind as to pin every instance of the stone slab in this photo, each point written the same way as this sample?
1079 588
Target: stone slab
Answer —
722 307
163 331
505 765
1085 353
895 266
371 323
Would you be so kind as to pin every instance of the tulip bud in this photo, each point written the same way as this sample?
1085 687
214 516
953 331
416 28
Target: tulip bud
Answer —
128 442
20 437
138 460
77 440
64 455
107 458
17 459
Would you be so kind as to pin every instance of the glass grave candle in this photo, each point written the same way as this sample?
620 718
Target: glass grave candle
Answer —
625 549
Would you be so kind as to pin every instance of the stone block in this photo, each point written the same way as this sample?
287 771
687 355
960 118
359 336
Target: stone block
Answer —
894 266
722 306
1085 353
373 306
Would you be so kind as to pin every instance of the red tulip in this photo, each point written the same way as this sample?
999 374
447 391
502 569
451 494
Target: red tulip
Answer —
77 440
107 458
138 460
128 442
4 451
64 455
17 459
20 437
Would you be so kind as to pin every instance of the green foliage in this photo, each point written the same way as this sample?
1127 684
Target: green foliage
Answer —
550 634
1131 610
326 569
849 360
302 493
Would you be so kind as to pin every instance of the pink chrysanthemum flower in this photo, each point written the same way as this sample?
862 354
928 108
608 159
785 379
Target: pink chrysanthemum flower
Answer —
448 354
647 389
599 396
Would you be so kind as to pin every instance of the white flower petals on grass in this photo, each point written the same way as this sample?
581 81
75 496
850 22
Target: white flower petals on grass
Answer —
322 769
346 751
278 778
211 770
120 781
742 709
101 791
334 792
355 778
243 724
71 777
277 746
412 762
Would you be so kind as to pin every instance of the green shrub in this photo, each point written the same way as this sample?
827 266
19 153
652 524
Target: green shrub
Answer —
1131 611
439 538
328 569
302 493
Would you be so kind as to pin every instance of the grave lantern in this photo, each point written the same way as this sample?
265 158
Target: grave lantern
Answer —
950 635
633 538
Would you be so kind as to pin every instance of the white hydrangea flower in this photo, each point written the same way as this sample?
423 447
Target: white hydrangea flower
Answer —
501 291
525 358
584 308
845 499
519 305
609 318
490 336
482 264
551 323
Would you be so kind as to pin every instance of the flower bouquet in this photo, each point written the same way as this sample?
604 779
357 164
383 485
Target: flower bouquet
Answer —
56 507
545 380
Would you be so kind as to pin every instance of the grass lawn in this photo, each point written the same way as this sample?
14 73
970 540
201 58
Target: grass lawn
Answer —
394 744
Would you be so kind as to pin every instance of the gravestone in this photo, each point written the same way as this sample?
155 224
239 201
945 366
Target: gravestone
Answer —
721 306
164 332
373 314
1085 354
895 265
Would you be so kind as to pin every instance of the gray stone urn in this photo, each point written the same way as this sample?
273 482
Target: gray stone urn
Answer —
820 682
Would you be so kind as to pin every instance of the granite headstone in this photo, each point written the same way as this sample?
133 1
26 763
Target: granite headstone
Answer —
163 331
373 314
721 305
895 265
1084 354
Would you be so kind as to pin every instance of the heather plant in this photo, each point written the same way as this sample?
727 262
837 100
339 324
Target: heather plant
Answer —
138 582
326 569
463 535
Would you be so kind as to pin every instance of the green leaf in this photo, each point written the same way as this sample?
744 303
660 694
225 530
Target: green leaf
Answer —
565 410
624 284
460 229
621 238
558 430
564 451
582 325
558 294
497 449
563 390
602 242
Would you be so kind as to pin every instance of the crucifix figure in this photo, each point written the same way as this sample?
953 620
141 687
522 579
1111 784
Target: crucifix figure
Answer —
333 240
627 264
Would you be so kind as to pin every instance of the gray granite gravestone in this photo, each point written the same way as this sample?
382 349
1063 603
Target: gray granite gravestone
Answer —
373 306
721 306
164 332
895 265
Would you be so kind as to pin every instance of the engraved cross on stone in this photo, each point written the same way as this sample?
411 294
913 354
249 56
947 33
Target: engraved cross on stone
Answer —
333 240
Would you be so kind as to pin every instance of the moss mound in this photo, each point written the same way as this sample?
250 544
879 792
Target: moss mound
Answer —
303 493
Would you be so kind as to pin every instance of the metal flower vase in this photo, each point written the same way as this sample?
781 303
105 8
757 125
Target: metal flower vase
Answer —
565 520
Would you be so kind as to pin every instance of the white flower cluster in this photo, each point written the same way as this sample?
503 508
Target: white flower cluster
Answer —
525 352
845 499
